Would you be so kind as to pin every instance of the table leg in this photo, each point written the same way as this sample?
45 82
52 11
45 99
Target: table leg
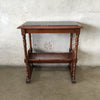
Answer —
28 75
70 49
30 43
30 51
75 59
71 37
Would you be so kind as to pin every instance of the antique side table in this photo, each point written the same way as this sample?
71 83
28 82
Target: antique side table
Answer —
59 27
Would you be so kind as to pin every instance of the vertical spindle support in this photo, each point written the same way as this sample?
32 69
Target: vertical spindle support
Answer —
71 38
75 56
26 59
30 43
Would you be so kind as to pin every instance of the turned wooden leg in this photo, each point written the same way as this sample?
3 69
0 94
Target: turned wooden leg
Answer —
70 48
31 69
73 72
30 44
71 38
28 74
75 58
30 51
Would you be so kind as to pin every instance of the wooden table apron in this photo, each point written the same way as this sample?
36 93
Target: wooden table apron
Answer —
70 57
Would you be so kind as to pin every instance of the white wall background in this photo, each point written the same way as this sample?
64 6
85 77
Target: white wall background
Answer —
15 12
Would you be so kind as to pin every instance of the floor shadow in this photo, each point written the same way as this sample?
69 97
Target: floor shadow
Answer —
38 71
53 67
39 50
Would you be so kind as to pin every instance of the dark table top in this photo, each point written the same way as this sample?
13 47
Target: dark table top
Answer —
50 23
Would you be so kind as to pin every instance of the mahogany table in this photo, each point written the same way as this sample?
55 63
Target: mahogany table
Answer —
59 27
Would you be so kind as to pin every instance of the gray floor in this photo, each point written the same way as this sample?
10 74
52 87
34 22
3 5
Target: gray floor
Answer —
50 84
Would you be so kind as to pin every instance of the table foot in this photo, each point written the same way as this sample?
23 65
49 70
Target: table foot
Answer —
73 81
28 80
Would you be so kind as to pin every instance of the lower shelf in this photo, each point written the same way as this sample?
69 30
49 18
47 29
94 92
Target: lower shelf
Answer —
50 57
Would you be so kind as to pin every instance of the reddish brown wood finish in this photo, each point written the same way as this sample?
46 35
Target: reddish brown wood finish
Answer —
50 57
70 57
71 38
30 44
50 31
26 57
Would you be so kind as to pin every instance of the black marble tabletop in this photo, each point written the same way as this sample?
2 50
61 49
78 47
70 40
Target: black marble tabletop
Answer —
50 23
